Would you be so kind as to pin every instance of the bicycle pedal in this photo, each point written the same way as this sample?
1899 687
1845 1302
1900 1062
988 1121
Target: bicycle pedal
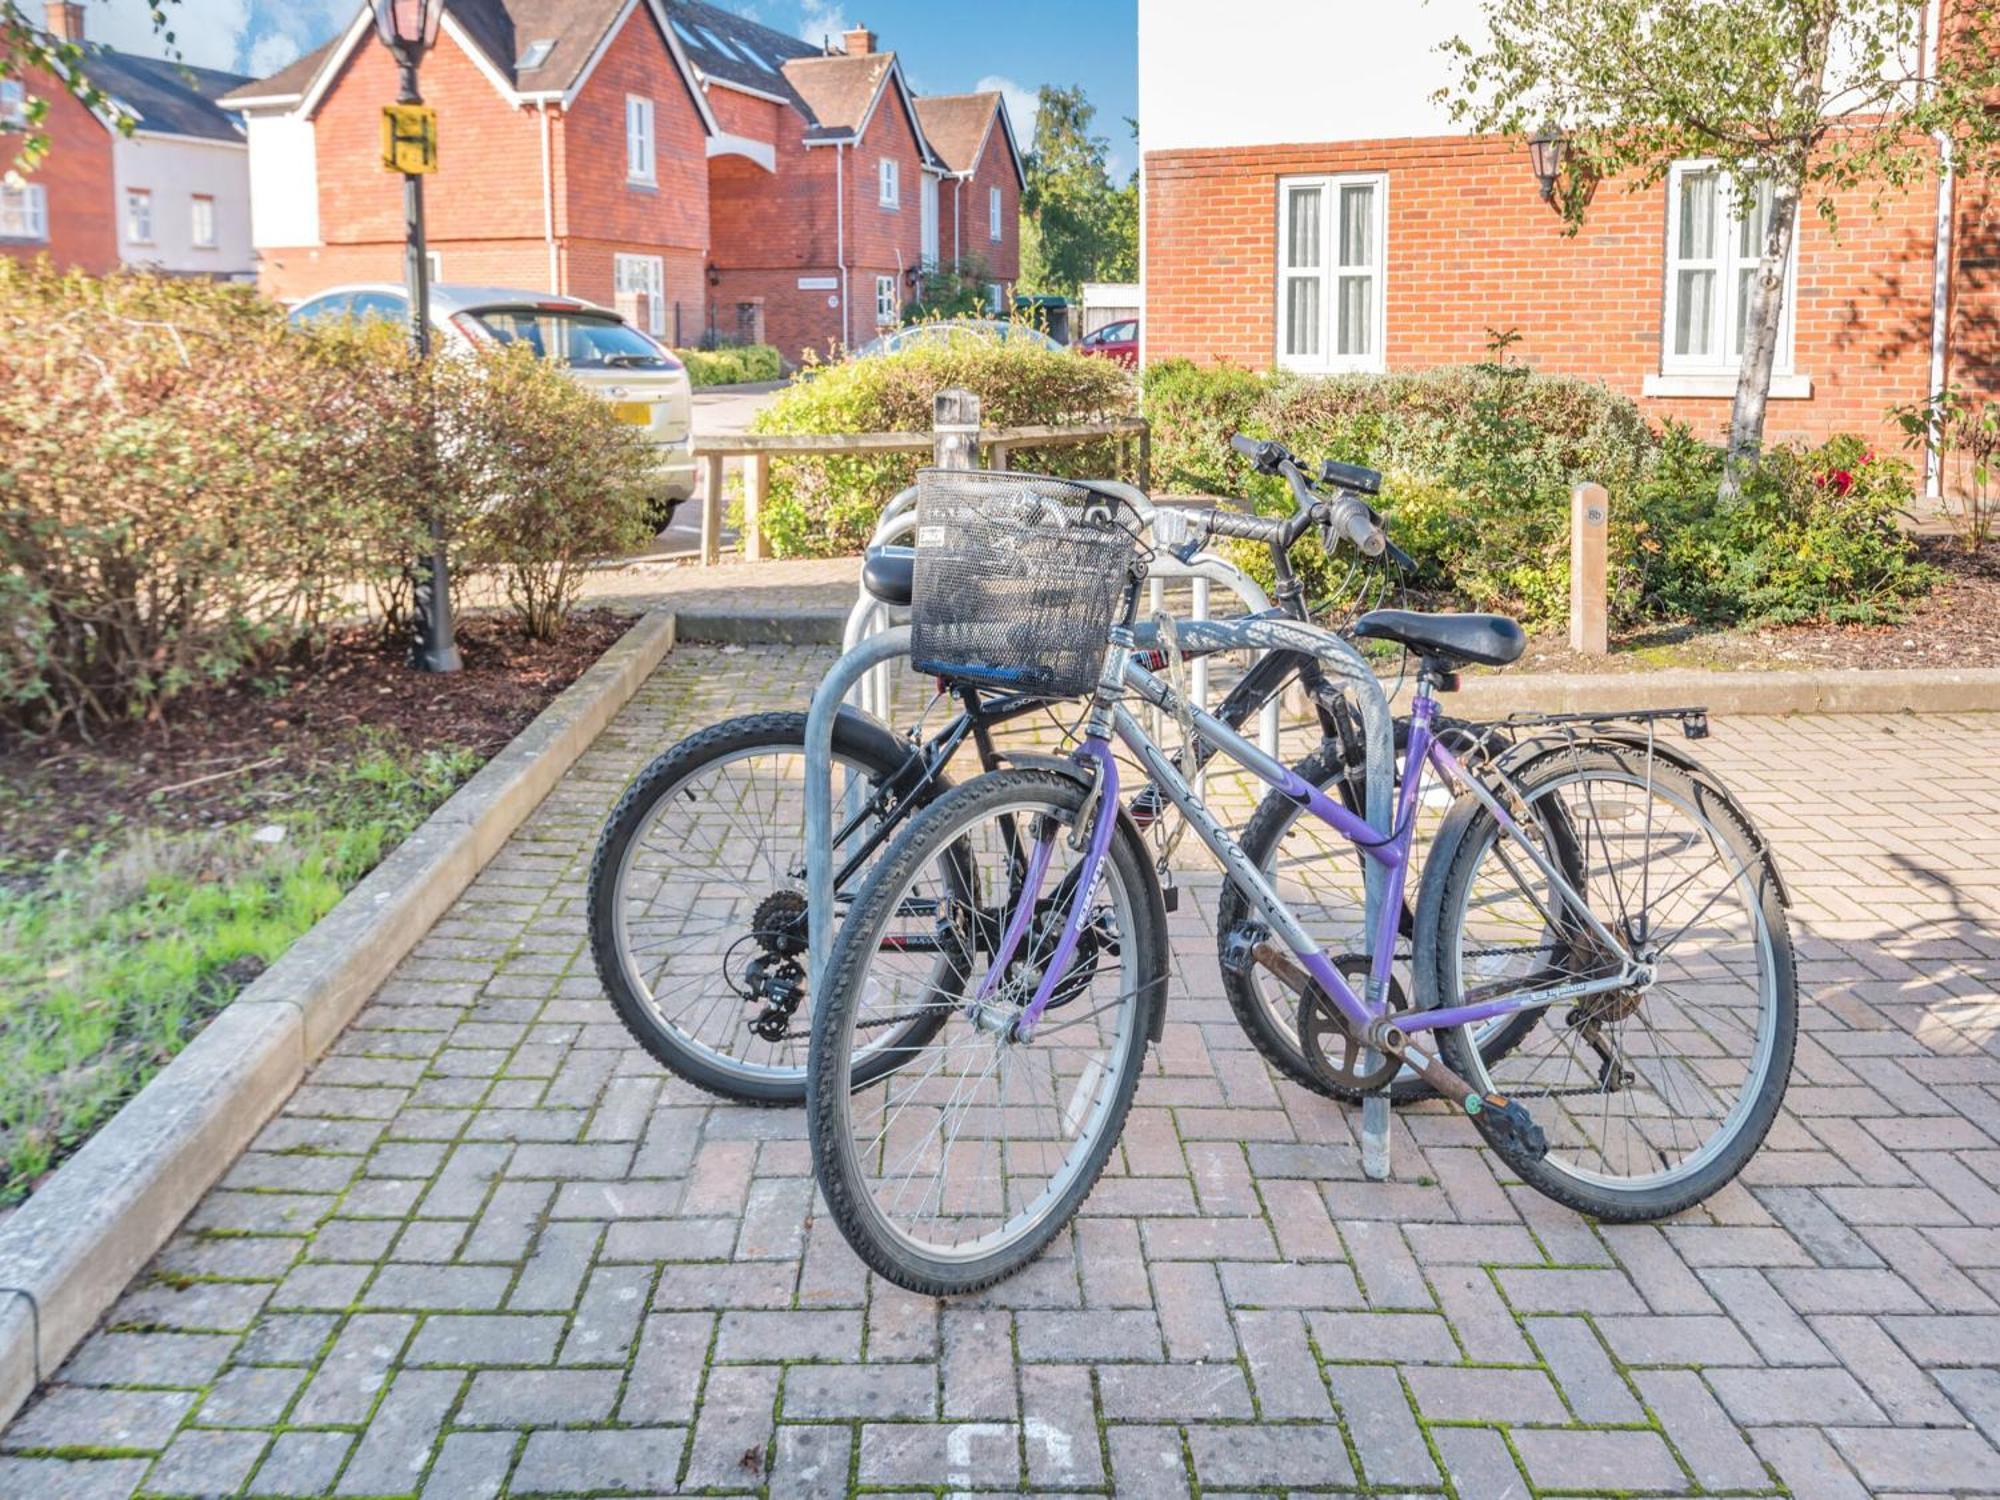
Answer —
1512 1129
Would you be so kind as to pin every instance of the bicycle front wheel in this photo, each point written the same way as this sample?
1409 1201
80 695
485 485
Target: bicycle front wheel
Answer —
1654 1095
961 1165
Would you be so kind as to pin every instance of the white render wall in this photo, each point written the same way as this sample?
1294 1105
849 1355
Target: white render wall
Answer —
175 169
284 181
1275 72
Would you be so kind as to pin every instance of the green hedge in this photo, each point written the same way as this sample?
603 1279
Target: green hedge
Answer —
731 366
188 485
1479 463
827 507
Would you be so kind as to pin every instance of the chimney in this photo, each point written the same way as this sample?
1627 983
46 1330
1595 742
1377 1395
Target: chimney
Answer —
860 41
65 20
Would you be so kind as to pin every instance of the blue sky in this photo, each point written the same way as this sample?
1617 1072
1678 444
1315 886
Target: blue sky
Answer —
947 46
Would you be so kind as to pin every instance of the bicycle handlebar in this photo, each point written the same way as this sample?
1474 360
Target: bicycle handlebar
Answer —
1345 516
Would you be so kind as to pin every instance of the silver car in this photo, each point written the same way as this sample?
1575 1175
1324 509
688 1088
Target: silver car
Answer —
593 345
951 330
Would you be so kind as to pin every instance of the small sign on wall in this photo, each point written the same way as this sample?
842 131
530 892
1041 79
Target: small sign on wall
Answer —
818 283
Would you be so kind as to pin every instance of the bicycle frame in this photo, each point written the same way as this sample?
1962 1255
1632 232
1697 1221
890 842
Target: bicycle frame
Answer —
1367 1014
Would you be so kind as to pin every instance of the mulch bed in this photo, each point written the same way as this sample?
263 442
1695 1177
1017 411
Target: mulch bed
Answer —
224 751
1957 625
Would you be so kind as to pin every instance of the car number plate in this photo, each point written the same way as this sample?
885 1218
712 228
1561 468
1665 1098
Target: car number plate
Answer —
638 413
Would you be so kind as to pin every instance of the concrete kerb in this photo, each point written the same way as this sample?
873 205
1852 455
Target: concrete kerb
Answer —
72 1248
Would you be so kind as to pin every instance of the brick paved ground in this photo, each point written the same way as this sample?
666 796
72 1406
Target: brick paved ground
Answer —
489 1249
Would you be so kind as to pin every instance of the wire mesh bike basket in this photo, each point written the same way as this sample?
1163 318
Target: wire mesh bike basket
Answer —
1018 579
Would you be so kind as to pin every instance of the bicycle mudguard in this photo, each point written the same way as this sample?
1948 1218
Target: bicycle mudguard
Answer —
1156 1009
1531 752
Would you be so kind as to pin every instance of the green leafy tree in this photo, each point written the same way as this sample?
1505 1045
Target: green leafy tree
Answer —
27 52
1077 225
1796 101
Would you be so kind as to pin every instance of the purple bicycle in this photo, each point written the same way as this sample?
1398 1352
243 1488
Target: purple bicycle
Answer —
1602 975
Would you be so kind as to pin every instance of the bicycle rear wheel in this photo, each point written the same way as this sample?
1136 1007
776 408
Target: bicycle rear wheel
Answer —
697 897
1651 1096
959 1167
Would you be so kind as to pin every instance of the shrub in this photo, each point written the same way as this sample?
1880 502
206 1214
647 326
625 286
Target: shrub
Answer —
1479 462
1815 536
826 507
731 365
550 478
188 485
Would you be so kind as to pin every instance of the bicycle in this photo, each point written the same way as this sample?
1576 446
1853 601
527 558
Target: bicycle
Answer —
699 925
1653 973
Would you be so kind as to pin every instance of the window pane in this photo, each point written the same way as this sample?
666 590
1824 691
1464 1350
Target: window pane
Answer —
1694 313
1697 238
1357 316
1302 316
1302 245
1746 288
1750 233
1357 225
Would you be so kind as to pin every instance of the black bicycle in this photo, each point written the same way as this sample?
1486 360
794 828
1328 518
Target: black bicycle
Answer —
697 899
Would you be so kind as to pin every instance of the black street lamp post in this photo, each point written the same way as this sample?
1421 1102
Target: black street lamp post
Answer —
408 28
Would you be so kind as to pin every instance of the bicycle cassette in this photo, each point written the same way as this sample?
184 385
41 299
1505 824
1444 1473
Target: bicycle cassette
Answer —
1335 1053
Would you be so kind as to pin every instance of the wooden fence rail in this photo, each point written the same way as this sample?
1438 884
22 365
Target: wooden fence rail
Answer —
756 450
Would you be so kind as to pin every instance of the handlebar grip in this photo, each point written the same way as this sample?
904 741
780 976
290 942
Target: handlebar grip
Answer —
1264 455
1249 528
1357 523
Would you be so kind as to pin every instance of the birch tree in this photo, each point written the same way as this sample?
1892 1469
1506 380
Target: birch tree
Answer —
1806 100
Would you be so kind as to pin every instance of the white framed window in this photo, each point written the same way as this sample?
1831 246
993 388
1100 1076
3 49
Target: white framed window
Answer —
885 299
638 139
993 213
996 295
24 212
640 283
13 104
139 216
889 183
1714 245
201 221
433 267
1331 264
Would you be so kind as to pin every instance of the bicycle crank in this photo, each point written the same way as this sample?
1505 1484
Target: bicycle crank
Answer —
1514 1131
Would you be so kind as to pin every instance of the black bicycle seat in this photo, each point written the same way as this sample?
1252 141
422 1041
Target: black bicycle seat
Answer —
886 573
1449 640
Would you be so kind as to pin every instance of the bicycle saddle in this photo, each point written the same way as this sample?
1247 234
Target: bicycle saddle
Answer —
1449 640
886 573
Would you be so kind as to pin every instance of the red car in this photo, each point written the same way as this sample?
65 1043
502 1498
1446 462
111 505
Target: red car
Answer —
1119 341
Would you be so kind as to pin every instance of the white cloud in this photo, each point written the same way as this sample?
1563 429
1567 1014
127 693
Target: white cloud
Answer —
270 52
1022 105
822 20
207 33
250 36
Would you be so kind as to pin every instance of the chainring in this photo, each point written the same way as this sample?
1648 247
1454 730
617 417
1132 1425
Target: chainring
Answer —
1332 1051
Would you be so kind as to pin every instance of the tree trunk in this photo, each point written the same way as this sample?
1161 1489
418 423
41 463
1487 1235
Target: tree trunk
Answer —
1760 346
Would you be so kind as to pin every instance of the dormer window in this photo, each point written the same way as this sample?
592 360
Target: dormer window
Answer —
537 54
889 181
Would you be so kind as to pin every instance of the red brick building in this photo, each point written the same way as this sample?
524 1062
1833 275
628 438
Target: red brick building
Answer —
711 175
1322 228
172 196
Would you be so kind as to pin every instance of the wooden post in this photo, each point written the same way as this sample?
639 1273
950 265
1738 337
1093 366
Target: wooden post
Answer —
756 487
1589 620
996 455
955 427
1146 457
711 511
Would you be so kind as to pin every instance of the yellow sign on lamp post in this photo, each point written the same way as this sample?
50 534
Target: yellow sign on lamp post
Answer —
409 138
